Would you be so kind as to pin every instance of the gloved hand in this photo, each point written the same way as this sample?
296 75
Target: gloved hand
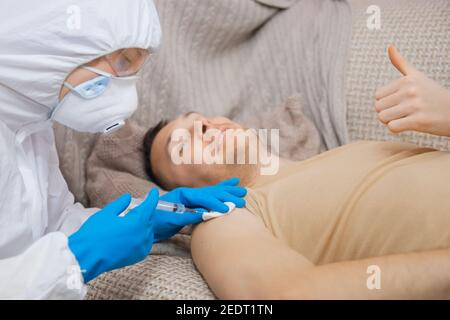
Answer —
210 198
106 241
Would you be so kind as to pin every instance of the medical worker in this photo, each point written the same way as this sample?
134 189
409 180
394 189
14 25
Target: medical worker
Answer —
74 62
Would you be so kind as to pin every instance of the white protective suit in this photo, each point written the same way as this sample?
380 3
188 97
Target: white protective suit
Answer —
41 42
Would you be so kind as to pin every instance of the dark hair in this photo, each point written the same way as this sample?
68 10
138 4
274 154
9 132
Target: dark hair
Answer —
147 143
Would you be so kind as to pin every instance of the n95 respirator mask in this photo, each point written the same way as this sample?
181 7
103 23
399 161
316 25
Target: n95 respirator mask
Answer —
98 105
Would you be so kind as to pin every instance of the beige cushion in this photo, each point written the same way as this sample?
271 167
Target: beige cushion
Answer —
157 277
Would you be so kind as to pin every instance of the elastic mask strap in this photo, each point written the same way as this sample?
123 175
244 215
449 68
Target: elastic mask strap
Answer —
98 71
68 85
94 70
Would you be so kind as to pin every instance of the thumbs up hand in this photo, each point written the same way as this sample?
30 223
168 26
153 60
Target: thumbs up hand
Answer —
413 101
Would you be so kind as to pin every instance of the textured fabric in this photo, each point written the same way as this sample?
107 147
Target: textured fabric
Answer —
382 198
299 138
74 149
116 166
157 277
421 31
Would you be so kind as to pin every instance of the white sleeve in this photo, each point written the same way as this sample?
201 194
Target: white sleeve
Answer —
73 216
45 270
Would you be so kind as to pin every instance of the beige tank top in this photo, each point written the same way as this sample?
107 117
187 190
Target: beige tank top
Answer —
361 200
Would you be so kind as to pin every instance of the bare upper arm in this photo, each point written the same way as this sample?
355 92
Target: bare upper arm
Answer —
240 258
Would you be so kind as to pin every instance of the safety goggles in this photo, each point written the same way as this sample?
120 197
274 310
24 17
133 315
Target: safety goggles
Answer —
127 62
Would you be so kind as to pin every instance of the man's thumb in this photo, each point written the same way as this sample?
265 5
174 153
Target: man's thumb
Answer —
398 61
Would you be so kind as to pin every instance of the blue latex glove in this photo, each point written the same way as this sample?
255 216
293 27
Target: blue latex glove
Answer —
210 198
106 241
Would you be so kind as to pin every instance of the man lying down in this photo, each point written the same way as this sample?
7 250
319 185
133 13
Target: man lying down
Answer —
366 220
323 227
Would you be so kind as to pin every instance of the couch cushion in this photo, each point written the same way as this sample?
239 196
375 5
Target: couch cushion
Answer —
157 277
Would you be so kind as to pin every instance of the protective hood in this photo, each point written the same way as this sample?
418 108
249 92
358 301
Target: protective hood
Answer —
41 42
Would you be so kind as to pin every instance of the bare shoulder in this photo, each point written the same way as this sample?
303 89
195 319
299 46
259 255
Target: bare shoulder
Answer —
226 238
232 253
225 247
238 223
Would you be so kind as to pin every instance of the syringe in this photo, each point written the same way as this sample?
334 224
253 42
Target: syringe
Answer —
173 207
178 208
